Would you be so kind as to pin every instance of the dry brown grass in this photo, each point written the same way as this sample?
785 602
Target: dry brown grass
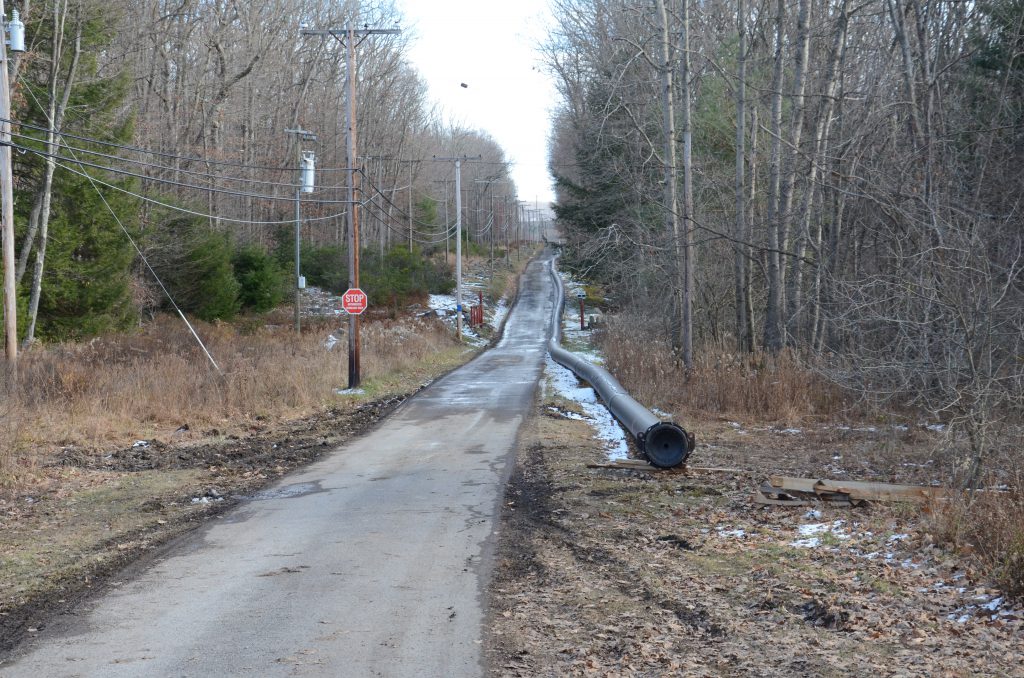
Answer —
752 386
119 388
987 524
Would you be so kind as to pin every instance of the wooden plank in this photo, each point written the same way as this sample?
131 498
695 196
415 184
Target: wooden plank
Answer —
884 491
641 465
711 469
809 485
857 490
759 498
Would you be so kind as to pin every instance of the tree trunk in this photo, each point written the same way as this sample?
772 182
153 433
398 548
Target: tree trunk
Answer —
671 207
56 117
773 339
690 246
795 137
821 133
739 246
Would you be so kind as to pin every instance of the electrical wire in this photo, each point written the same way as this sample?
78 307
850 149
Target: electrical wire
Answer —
169 182
160 167
137 149
440 237
185 210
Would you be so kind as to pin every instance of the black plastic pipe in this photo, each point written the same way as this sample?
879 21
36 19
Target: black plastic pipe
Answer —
663 443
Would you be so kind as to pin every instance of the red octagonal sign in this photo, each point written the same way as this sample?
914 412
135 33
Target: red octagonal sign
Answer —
354 301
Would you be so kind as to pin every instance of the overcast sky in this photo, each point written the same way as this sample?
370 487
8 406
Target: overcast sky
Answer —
490 46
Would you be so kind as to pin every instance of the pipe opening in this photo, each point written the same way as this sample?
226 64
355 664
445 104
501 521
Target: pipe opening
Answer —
666 445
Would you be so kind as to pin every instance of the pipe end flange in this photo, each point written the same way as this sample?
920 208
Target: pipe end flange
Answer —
666 445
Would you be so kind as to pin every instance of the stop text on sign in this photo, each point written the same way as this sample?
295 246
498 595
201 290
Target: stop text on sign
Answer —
354 301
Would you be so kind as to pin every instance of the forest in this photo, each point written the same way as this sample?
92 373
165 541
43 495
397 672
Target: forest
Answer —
837 182
157 150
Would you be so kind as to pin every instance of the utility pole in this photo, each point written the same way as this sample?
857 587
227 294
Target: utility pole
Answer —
304 185
458 249
347 37
7 192
446 217
504 229
410 205
490 237
458 242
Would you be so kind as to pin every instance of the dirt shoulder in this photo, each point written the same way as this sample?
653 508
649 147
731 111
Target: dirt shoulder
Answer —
95 513
607 572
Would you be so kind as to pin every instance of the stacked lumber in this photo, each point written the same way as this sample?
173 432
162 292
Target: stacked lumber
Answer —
787 491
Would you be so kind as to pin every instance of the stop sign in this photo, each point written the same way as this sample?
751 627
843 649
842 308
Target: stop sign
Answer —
354 301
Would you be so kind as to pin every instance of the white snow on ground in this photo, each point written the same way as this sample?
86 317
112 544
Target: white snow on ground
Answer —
986 606
445 305
812 533
565 384
442 302
499 313
736 534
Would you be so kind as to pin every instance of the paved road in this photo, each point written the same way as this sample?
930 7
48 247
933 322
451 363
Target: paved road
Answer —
371 562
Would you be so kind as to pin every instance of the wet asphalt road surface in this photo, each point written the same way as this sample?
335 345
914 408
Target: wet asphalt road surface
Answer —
371 562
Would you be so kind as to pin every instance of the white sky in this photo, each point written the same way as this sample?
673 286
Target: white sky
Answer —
490 46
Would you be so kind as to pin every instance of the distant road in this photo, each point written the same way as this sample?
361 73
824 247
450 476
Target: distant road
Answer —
371 562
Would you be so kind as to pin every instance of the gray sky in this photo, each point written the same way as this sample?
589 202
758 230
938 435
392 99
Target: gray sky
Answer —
490 46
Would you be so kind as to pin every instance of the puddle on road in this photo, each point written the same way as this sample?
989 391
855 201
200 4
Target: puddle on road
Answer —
288 491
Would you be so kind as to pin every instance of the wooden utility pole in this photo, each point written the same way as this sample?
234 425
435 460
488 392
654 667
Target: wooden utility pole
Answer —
347 36
7 212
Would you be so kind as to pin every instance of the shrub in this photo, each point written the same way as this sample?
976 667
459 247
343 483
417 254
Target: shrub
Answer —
261 281
194 263
402 275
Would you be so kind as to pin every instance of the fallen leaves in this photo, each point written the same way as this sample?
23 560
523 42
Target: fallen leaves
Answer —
618 572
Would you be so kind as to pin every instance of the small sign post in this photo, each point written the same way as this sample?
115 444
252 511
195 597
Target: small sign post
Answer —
354 301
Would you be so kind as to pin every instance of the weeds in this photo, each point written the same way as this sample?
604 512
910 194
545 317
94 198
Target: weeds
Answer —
122 387
756 385
987 525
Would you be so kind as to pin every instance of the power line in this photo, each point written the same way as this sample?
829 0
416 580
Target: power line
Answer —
185 210
137 149
169 182
156 166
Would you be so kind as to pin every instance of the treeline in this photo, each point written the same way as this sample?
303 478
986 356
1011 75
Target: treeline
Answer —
150 142
844 181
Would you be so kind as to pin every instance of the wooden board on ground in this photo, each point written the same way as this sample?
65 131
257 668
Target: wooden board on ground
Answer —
641 465
847 491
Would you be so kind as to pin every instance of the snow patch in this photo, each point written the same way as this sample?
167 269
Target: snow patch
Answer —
737 534
565 383
812 533
349 391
